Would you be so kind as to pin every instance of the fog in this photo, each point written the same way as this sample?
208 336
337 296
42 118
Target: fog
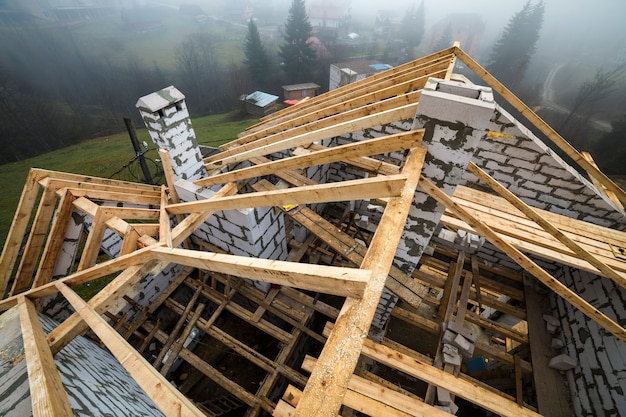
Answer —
71 75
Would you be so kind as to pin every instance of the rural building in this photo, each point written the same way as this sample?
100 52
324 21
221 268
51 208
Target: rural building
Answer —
348 72
259 103
300 91
400 246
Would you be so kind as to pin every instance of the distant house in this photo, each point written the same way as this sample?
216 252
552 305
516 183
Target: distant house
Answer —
467 28
259 103
144 19
345 73
329 14
300 91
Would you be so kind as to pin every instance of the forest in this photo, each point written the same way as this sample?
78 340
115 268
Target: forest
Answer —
63 81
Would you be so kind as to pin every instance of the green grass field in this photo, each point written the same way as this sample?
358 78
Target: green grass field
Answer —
101 157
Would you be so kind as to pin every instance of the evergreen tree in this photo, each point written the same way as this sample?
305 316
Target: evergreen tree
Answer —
256 59
512 52
297 55
609 152
445 40
412 26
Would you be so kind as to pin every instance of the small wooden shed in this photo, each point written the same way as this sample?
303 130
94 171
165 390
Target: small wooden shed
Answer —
259 103
300 91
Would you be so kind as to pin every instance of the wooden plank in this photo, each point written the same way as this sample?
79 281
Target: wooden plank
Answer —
266 146
552 394
463 299
346 190
55 240
328 383
429 65
93 242
546 225
540 124
610 194
374 399
399 141
177 346
101 302
47 394
16 234
138 257
476 277
327 279
36 239
347 247
169 400
165 232
460 387
526 263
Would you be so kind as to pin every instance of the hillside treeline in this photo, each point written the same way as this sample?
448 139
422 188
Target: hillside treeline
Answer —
53 94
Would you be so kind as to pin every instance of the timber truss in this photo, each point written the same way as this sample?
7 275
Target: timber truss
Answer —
157 230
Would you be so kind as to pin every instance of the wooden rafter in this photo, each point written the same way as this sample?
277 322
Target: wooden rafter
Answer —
397 142
165 396
525 262
347 190
346 282
323 394
540 124
47 394
534 215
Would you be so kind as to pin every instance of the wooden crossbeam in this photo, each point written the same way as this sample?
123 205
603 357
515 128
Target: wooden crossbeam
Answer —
433 65
47 394
397 142
344 191
610 194
323 395
460 387
347 282
169 400
525 262
539 123
347 247
266 146
546 225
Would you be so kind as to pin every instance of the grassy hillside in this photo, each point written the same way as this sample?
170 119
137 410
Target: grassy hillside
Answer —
102 157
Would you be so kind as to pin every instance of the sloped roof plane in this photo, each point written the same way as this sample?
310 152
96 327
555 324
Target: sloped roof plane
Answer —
425 148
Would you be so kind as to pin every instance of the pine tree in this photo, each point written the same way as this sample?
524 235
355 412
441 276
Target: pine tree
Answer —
412 26
512 52
297 55
256 58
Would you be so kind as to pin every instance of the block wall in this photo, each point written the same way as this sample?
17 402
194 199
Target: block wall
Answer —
531 170
599 380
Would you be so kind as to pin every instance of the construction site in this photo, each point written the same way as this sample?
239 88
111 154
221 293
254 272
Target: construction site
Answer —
415 243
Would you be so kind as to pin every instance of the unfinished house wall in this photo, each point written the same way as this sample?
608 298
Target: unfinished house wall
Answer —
599 379
95 382
517 159
451 144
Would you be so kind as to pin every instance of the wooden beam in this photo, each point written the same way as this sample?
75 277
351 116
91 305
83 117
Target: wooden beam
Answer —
399 141
465 389
114 265
101 302
327 279
346 190
323 394
546 225
266 146
36 239
525 262
47 394
610 194
169 400
377 400
540 124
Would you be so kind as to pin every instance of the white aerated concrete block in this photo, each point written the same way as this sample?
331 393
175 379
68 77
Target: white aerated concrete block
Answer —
443 396
562 362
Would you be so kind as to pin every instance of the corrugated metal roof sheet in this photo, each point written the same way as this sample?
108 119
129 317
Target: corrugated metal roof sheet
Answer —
261 99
